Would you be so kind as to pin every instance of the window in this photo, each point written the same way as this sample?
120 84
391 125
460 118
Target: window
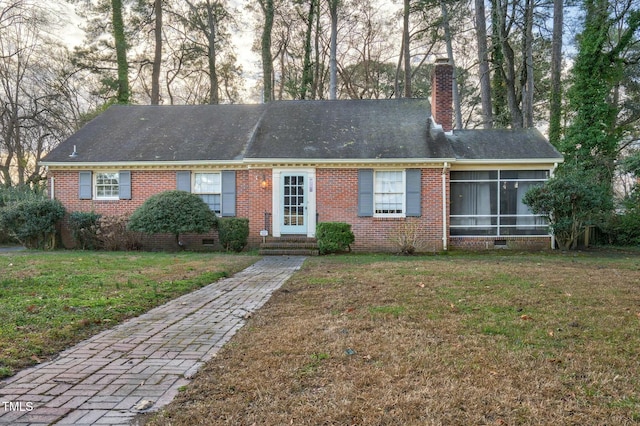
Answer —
107 186
489 203
389 193
209 187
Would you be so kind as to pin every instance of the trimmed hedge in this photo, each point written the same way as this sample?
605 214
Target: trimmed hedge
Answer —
233 233
334 237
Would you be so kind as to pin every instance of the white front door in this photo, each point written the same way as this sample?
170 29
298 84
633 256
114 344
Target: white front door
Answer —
293 203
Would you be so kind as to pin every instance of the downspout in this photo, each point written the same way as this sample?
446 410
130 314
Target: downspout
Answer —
445 240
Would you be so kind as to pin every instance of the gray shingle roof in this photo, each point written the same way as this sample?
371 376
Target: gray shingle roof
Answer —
501 144
306 130
162 133
353 129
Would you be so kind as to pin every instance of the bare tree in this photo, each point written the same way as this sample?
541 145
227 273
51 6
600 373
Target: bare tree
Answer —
406 48
157 58
33 103
483 65
555 105
265 48
333 72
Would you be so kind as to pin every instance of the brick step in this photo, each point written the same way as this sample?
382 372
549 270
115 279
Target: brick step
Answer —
289 252
289 245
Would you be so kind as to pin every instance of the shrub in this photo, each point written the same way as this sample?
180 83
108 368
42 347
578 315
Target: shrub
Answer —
571 201
113 234
406 237
233 233
84 227
334 237
32 221
624 229
173 212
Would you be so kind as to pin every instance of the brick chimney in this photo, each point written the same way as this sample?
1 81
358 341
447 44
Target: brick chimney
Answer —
442 94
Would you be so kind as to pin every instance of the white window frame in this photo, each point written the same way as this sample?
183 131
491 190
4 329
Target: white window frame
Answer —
403 193
97 185
194 189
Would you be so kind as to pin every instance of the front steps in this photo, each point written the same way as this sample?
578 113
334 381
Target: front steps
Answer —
289 246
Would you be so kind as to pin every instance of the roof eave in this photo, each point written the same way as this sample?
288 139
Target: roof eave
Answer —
138 164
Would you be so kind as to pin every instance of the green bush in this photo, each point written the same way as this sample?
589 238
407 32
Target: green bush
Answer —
624 229
571 201
32 222
233 233
173 212
84 227
334 237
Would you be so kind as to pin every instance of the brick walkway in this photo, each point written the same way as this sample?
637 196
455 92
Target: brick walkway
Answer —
109 377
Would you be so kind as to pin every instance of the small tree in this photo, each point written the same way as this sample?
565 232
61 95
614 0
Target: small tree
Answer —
571 201
173 212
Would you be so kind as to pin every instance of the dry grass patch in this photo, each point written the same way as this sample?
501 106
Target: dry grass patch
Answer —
496 340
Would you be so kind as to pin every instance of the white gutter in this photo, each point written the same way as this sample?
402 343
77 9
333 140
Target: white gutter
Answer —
497 161
142 164
444 206
53 188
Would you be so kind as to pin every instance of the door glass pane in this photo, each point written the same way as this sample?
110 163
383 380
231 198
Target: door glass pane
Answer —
293 201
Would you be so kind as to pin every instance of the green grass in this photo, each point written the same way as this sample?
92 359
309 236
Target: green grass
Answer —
51 300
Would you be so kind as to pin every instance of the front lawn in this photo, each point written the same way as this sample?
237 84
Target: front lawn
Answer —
51 300
491 339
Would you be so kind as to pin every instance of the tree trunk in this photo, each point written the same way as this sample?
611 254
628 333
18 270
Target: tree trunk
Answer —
456 96
527 81
315 84
406 39
333 66
499 100
483 58
555 107
509 65
265 45
307 76
157 58
123 95
212 34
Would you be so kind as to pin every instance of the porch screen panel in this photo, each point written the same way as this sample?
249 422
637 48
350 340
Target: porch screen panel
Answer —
474 203
489 203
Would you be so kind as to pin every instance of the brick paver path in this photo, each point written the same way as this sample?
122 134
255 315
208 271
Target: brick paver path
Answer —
103 379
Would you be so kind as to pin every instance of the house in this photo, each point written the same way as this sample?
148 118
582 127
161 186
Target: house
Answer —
376 164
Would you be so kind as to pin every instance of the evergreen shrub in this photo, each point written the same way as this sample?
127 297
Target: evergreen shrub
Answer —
334 237
233 233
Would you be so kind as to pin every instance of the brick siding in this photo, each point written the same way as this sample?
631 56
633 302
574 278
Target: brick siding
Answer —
336 200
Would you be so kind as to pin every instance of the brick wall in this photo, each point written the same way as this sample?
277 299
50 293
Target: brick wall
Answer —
491 243
144 183
337 201
336 198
